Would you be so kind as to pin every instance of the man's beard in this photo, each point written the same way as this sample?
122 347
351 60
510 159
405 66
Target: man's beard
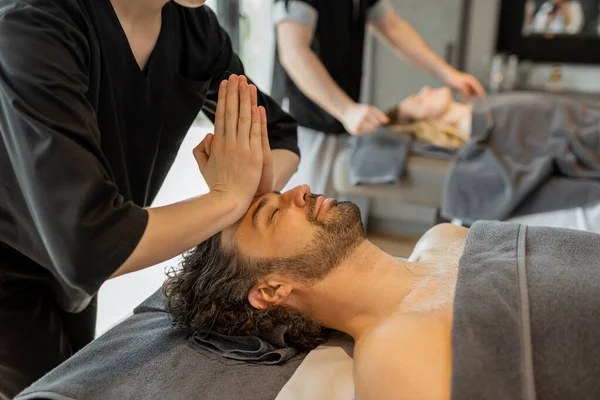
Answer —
336 238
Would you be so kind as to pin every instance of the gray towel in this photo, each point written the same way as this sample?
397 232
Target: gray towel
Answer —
249 348
145 357
526 321
381 157
241 348
529 153
378 157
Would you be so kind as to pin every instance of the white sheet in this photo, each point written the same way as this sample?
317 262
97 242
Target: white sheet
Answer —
580 218
325 374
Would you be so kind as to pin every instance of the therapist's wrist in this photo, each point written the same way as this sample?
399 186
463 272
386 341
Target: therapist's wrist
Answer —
443 71
232 206
446 72
343 109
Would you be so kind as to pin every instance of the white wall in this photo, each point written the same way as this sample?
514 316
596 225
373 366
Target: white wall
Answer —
392 78
481 38
212 4
258 41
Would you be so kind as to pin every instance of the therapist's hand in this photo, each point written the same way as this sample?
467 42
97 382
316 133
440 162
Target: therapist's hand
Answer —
266 179
466 84
360 119
231 160
564 9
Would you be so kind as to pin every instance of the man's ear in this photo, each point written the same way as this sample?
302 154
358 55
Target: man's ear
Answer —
271 291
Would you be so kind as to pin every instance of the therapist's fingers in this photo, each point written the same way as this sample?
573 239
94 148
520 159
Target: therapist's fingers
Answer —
254 95
220 112
208 139
477 87
367 127
243 79
380 115
465 90
370 128
264 131
376 118
200 153
255 141
245 114
232 109
372 121
256 133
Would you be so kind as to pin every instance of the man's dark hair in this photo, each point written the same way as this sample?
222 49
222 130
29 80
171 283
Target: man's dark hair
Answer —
210 294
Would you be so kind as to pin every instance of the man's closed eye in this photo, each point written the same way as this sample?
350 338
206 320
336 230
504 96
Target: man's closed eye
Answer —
273 215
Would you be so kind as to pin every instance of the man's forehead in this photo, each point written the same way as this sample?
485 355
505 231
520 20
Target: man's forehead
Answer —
228 234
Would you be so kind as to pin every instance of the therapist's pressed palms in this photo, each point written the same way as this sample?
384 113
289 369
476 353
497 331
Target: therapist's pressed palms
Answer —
266 180
231 160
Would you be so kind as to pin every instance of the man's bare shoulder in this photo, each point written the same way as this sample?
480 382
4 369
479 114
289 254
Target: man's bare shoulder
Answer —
408 357
442 239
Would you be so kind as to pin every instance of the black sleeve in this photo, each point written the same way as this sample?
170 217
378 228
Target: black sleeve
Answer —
76 220
283 129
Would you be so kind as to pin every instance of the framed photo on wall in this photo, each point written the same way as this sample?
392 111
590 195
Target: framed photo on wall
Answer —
566 31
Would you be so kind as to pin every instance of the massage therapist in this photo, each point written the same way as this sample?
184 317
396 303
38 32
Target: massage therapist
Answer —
95 99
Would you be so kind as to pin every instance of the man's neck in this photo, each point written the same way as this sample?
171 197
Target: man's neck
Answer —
362 292
138 11
141 21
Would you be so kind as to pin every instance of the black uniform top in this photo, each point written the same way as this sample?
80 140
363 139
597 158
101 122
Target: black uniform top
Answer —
87 138
338 41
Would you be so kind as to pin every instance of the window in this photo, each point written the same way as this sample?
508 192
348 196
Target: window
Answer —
257 41
250 25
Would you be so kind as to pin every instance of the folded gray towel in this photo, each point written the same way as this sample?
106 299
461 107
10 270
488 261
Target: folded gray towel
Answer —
248 348
379 157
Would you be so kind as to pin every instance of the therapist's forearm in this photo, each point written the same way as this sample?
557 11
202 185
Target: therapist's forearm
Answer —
178 227
311 77
407 43
285 164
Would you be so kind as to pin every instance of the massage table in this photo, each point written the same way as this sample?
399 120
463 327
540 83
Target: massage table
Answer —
324 374
160 359
411 206
531 155
525 322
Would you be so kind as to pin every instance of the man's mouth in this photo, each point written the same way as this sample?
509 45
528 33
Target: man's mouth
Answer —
322 205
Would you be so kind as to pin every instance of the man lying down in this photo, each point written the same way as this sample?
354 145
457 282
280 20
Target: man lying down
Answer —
502 311
520 153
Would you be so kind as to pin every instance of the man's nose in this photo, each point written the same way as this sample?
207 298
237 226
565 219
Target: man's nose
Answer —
297 196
